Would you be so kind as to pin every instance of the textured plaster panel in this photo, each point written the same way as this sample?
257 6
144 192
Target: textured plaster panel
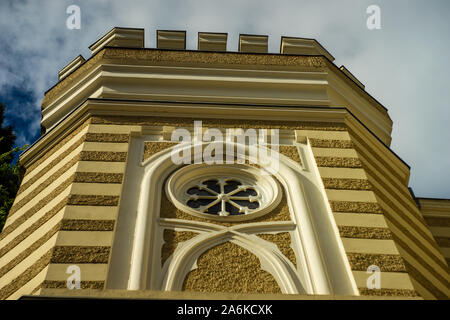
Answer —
386 262
92 200
373 246
105 146
107 137
290 152
346 184
229 268
90 212
330 143
338 162
150 148
84 238
87 225
99 166
214 58
351 195
360 220
365 232
342 173
388 280
283 242
355 206
218 123
54 284
171 240
104 189
388 292
98 177
103 156
89 272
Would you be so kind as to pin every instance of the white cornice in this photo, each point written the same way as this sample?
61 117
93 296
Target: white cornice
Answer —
218 84
191 84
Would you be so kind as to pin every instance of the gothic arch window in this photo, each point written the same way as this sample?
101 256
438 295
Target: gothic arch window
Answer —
234 193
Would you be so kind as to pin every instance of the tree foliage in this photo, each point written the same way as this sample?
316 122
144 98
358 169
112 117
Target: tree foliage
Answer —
9 171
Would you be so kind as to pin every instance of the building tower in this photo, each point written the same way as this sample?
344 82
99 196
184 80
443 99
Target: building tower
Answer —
208 174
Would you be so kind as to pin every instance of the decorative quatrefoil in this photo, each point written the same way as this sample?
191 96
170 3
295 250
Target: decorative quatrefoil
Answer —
234 192
223 197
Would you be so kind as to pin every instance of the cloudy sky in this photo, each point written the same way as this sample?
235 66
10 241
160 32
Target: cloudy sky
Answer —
404 65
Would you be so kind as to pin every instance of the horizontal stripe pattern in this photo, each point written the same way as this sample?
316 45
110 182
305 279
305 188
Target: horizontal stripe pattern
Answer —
98 177
80 254
92 200
107 137
365 232
64 143
103 156
58 284
330 143
346 184
26 276
87 225
43 181
388 292
355 206
338 162
386 262
405 221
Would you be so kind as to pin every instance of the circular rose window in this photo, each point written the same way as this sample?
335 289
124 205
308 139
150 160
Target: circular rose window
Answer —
223 192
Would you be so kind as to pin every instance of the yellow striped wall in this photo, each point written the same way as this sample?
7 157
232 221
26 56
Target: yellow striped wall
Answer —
415 243
364 231
67 205
436 213
64 214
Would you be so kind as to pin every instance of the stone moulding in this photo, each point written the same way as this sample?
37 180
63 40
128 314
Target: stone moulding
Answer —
315 280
